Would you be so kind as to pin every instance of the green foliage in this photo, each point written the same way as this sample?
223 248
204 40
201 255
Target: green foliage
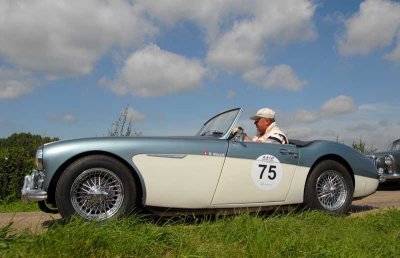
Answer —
15 164
307 234
361 145
17 156
26 141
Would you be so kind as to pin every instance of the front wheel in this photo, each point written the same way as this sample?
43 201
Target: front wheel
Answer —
329 188
96 187
48 208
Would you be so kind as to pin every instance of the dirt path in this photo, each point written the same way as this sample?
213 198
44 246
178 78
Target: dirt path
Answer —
36 222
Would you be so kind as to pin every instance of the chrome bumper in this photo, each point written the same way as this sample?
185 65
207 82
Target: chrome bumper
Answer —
389 177
33 187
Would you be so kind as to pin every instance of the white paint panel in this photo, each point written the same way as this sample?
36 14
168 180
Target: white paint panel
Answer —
236 185
296 192
187 182
365 186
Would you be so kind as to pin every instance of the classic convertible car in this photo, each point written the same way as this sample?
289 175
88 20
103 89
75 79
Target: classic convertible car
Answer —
388 162
214 171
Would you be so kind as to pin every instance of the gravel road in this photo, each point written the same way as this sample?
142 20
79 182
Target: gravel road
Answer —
37 222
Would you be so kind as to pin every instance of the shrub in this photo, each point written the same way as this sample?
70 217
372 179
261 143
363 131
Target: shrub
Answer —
17 156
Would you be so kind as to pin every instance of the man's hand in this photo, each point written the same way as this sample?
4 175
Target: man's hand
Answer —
236 130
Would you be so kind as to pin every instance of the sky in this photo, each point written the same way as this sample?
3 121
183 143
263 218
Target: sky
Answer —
330 69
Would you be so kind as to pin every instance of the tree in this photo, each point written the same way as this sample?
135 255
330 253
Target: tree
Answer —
123 126
27 141
361 145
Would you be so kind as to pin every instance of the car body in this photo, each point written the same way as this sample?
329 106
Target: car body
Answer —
388 162
106 177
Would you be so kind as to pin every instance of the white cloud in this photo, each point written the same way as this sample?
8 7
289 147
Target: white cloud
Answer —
135 115
302 133
15 83
208 14
241 47
366 127
333 108
338 106
372 122
67 118
395 54
62 38
305 116
67 37
239 31
238 49
154 72
256 75
281 76
375 26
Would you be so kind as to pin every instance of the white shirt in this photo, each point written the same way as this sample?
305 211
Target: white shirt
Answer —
272 135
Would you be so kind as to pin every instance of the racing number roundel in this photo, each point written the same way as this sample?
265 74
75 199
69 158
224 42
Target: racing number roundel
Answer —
266 172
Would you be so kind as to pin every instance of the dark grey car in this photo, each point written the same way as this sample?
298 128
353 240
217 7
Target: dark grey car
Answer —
388 162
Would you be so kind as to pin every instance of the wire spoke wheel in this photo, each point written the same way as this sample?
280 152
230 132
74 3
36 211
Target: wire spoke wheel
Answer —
97 194
331 190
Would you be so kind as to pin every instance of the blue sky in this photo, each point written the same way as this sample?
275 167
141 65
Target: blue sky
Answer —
330 69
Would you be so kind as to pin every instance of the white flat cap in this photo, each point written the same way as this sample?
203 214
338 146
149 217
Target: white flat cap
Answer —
264 113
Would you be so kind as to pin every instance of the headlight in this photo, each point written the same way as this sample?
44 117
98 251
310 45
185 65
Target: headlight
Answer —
388 160
39 158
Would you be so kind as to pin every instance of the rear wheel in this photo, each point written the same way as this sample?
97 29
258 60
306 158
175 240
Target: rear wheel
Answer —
329 188
96 187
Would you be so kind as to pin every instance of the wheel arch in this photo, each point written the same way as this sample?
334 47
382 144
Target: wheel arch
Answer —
336 158
53 183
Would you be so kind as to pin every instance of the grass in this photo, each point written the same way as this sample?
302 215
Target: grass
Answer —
305 234
18 206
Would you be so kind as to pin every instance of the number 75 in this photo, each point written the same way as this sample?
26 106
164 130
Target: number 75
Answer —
271 171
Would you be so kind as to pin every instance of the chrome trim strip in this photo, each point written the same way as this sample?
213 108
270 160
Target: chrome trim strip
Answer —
172 156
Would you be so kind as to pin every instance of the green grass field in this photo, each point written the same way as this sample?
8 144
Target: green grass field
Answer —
302 234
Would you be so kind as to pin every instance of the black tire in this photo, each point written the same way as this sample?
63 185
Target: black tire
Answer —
45 207
329 188
96 187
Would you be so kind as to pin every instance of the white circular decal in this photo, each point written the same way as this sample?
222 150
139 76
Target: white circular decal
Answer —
266 172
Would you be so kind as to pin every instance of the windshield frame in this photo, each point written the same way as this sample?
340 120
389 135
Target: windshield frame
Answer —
394 146
213 125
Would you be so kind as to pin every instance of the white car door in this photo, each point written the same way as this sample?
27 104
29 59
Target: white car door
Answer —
256 173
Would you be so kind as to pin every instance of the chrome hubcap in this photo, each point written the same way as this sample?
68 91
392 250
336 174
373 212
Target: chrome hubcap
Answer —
331 190
97 194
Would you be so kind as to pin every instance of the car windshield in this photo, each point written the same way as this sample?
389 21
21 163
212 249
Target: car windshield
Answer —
395 146
221 124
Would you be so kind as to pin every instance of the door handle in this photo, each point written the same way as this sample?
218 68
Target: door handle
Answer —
288 152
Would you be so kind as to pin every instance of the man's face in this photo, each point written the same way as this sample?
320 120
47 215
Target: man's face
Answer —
262 124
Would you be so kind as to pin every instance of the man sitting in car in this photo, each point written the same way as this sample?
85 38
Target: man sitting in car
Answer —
267 130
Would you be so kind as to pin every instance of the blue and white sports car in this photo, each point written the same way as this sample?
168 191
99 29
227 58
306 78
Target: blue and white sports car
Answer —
214 171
